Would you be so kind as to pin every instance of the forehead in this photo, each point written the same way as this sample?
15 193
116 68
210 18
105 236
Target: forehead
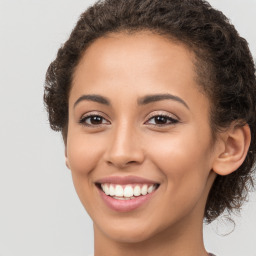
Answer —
144 62
137 52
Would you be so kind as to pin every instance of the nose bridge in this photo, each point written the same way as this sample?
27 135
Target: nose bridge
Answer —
125 147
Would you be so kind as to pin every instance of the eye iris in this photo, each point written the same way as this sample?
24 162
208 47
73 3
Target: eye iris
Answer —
161 120
96 120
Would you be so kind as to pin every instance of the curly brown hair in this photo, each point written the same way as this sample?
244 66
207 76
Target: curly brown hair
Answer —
224 67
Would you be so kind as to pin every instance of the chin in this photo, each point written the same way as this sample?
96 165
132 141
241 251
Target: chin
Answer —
129 236
129 231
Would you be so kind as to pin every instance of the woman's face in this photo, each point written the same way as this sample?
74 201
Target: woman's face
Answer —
139 127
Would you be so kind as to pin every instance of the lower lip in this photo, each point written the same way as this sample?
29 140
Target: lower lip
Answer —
125 205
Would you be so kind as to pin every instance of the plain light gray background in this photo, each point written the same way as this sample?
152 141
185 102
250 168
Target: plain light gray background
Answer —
40 213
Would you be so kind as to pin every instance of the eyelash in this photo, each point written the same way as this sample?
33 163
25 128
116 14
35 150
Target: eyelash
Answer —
90 116
169 119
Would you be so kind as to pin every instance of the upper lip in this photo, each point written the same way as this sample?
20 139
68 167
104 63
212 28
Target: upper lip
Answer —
125 180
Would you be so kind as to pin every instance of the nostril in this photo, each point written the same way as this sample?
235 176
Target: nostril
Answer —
124 154
121 164
132 162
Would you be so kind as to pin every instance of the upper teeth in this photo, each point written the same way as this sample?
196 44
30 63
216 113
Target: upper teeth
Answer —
127 190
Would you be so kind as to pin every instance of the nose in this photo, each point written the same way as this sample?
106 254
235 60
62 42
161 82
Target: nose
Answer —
125 147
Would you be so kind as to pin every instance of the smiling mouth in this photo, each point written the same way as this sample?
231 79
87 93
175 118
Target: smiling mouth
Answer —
128 191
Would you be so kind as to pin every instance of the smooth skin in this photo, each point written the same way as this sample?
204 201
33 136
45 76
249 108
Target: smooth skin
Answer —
168 141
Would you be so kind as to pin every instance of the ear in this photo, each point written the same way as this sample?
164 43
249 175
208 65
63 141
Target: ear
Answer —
66 158
235 144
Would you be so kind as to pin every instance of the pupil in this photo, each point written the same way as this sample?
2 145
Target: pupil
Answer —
96 120
160 120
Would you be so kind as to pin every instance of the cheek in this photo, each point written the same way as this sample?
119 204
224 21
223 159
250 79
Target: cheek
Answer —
83 152
185 168
184 159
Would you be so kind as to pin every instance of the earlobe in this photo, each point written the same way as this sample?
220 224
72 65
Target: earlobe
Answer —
66 159
236 145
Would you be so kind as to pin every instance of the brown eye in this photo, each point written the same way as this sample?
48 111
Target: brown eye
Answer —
162 120
93 120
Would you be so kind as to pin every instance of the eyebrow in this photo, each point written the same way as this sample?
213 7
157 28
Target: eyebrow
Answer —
93 97
159 97
141 101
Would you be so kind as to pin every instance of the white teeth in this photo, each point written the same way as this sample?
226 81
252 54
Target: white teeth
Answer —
111 190
151 188
119 191
128 191
105 188
144 190
136 190
124 192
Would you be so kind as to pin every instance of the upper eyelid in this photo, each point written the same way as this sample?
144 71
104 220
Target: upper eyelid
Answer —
171 119
162 113
95 113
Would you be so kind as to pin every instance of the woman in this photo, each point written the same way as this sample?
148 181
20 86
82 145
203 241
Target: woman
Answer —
156 104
